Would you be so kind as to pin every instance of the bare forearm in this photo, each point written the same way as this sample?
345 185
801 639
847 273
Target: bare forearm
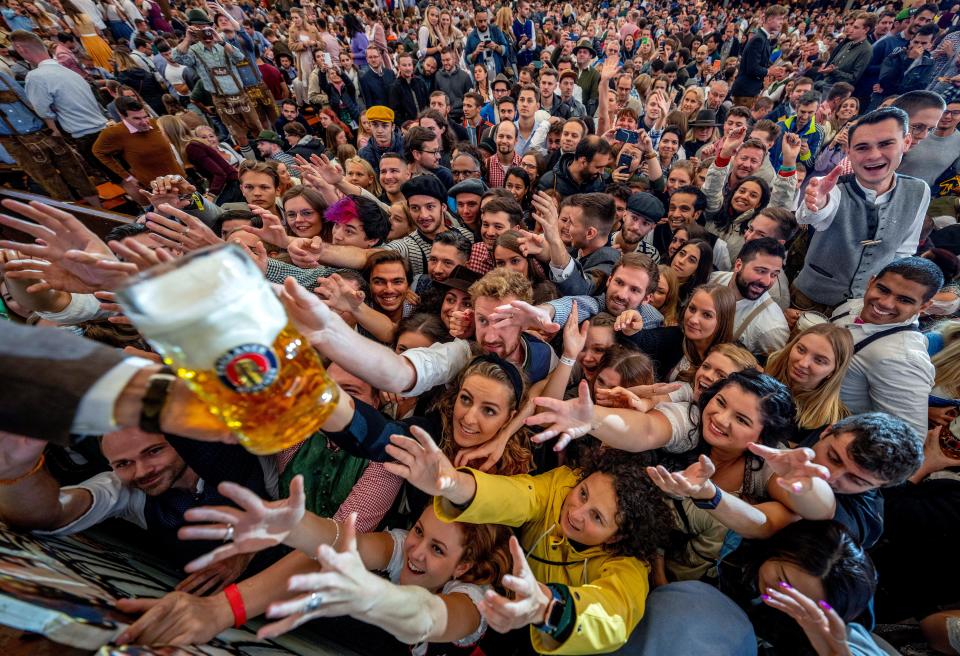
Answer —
347 257
46 301
47 508
376 323
630 430
816 503
760 521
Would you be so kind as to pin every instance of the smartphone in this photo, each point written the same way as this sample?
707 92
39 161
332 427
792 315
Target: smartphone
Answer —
625 161
627 136
716 66
327 59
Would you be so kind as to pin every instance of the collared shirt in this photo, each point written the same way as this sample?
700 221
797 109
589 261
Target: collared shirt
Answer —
893 374
481 258
535 142
823 219
18 113
768 330
214 62
590 306
58 93
496 172
134 130
66 57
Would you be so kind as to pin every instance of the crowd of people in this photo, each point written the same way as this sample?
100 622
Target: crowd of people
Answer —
643 316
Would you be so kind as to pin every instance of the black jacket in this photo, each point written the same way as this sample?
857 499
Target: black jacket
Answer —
375 89
407 99
753 66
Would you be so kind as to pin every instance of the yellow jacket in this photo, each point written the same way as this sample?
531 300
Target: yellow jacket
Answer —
609 592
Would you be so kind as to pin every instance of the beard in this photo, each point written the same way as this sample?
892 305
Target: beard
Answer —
750 291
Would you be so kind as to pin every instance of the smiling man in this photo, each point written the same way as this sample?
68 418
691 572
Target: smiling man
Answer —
890 370
862 221
759 322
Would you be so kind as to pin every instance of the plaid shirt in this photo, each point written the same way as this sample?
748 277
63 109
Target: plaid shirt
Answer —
481 259
278 271
590 306
496 173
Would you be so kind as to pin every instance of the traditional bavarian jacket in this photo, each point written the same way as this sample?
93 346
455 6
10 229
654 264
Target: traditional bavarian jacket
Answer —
217 69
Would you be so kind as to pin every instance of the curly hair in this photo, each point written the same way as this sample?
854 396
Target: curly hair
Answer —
517 457
487 546
501 283
644 520
883 445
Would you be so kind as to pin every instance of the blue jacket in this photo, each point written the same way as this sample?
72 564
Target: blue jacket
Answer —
811 133
372 152
882 49
895 78
497 37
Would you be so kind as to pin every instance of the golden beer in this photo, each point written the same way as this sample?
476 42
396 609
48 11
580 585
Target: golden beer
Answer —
215 320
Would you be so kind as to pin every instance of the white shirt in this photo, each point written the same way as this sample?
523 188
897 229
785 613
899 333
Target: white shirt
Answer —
768 331
95 411
893 374
111 498
823 219
438 364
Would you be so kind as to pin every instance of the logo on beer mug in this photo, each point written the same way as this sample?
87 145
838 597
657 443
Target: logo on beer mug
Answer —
248 368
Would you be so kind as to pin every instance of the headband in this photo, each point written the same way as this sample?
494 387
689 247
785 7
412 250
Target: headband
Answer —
510 369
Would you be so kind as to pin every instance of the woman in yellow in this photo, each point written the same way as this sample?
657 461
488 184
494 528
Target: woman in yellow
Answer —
588 536
98 49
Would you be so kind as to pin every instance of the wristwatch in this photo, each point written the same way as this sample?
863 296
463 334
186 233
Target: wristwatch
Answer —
158 385
709 504
554 612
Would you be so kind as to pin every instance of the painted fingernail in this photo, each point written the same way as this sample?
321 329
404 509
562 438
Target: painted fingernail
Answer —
784 584
824 605
765 597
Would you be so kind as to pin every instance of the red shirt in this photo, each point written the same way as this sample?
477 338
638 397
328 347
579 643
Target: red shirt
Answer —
274 80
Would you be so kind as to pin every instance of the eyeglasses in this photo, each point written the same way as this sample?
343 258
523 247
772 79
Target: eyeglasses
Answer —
951 112
303 214
432 152
464 174
919 129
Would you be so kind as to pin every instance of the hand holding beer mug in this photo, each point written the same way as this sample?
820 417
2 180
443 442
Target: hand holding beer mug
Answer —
215 320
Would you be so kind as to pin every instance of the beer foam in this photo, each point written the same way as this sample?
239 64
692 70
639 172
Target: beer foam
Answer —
212 303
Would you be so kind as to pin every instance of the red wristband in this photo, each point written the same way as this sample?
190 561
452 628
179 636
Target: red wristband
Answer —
236 605
721 161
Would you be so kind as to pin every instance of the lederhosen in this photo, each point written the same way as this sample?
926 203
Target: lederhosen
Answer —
260 95
46 158
235 109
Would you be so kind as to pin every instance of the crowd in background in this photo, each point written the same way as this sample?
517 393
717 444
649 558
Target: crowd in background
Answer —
644 315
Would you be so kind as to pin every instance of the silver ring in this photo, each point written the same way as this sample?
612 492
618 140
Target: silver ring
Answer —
314 602
229 536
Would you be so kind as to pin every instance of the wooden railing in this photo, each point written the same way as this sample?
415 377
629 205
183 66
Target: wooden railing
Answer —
99 221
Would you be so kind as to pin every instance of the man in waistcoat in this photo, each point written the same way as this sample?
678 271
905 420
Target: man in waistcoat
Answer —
862 221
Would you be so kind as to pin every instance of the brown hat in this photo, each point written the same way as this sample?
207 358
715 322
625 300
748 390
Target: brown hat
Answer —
460 278
585 44
568 73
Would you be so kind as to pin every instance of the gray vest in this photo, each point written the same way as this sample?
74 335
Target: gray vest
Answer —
862 239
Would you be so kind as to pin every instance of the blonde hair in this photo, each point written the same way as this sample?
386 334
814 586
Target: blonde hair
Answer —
671 305
947 361
374 187
739 356
178 134
821 405
501 283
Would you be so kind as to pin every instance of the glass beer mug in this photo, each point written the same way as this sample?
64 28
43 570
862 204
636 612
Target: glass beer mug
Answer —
214 318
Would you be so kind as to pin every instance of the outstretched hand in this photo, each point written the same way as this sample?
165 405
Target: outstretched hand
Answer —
818 190
566 420
794 468
693 482
421 462
256 524
529 602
